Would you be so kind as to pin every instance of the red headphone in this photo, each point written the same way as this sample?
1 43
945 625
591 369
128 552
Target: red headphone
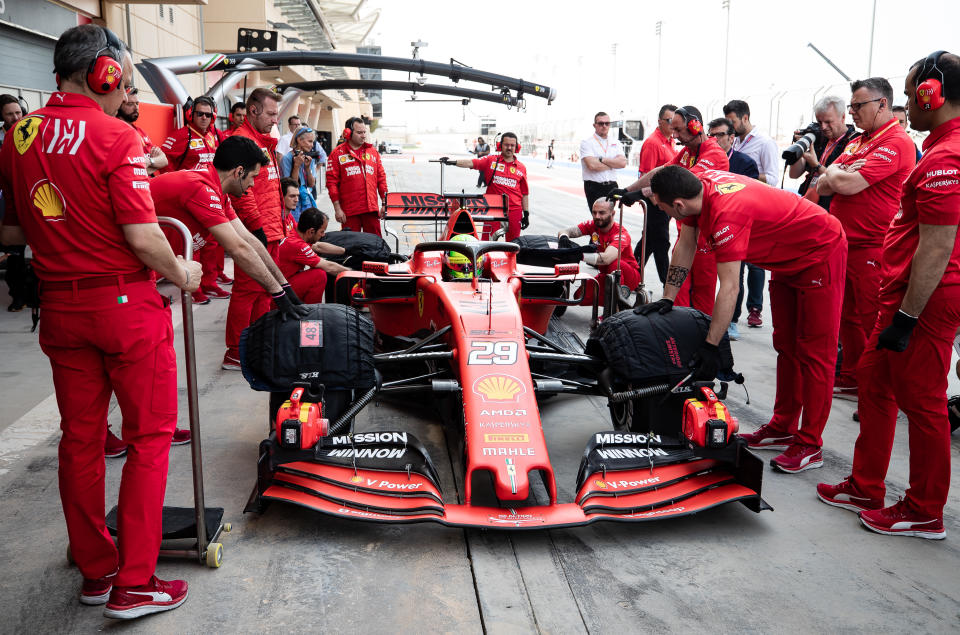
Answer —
515 150
348 127
202 99
929 90
694 125
105 73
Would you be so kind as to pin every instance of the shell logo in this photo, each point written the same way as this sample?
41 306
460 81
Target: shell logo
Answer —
356 478
48 200
499 388
600 484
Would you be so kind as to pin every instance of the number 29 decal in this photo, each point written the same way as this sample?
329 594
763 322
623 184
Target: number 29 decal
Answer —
492 353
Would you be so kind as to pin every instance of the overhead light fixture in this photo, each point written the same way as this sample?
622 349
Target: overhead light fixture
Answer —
278 80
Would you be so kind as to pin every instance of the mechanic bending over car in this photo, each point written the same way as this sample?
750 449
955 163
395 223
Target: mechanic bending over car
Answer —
504 174
740 219
613 244
299 249
198 199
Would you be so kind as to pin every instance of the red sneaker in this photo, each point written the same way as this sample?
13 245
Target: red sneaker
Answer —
180 437
224 279
230 362
845 390
766 438
96 590
155 596
753 319
798 458
199 297
900 520
846 496
216 293
113 447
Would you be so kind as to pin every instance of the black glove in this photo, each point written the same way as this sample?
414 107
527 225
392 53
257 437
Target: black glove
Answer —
525 221
258 233
564 242
616 194
447 161
291 294
661 306
896 337
631 197
705 362
589 248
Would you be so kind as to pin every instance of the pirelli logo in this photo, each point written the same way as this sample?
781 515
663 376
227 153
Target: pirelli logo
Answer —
506 438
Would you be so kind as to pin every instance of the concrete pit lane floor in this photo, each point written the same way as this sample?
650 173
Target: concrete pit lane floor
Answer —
804 567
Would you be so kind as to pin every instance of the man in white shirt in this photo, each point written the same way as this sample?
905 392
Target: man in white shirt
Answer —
763 150
600 159
283 146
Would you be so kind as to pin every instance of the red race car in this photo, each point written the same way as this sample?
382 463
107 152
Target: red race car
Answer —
469 323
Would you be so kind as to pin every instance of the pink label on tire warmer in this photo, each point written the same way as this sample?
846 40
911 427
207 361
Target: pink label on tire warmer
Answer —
311 333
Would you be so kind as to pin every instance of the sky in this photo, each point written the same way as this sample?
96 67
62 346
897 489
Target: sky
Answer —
604 56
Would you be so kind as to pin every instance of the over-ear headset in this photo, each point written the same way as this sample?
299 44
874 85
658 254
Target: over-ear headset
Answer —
515 150
930 90
694 125
348 127
24 109
192 103
105 73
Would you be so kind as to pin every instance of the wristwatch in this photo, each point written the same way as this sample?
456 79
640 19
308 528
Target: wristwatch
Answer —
601 160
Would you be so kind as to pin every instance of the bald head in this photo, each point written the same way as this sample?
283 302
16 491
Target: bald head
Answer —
602 213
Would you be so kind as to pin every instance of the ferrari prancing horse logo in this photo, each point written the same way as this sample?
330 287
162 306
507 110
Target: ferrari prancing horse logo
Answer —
25 132
730 188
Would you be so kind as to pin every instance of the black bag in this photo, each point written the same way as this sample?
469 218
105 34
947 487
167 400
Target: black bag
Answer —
546 251
332 345
360 247
645 348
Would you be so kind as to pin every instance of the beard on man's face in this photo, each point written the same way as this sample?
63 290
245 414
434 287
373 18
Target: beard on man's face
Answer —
128 117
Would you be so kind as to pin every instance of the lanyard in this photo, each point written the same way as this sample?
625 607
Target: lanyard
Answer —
860 148
602 147
830 147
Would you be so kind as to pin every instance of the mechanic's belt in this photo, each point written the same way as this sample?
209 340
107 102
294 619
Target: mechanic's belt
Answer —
95 282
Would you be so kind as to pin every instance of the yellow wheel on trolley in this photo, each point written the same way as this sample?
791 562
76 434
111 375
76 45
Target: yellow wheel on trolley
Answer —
214 555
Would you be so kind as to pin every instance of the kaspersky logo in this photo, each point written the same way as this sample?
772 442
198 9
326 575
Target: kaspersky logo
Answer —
48 200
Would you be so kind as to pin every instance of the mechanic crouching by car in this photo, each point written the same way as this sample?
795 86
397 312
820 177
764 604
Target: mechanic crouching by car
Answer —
83 205
504 174
907 359
804 246
613 250
355 177
865 182
299 262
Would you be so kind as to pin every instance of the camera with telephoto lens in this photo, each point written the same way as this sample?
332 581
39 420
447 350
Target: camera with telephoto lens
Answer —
313 154
809 136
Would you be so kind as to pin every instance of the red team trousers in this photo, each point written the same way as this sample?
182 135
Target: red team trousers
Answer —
309 285
368 223
248 301
96 347
513 226
806 320
914 381
860 305
210 257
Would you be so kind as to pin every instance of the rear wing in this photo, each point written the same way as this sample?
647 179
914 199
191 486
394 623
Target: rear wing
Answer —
414 206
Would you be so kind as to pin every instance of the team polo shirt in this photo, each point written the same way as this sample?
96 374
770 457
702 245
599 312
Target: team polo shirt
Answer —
614 237
890 156
931 196
147 143
657 150
295 254
195 199
744 219
708 156
188 149
72 176
509 178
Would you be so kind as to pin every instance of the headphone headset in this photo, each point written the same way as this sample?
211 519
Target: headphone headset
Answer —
930 90
348 127
24 109
515 150
694 125
202 99
105 73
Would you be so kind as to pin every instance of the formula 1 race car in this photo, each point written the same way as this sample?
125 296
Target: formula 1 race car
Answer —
469 323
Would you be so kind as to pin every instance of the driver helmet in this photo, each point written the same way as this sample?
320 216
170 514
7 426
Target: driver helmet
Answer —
458 266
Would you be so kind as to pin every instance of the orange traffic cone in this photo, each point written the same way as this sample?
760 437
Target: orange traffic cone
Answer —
413 159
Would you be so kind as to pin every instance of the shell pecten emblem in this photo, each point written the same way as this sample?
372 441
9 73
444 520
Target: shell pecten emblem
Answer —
48 200
499 388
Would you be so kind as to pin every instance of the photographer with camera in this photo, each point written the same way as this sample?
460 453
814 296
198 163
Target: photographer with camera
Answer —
300 165
818 145
866 181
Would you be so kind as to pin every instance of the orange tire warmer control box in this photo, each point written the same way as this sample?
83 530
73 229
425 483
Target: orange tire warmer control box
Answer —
300 423
707 422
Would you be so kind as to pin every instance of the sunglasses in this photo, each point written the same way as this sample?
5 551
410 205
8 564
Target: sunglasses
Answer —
601 123
856 106
203 114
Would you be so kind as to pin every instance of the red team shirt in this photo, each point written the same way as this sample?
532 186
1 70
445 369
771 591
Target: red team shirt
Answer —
147 144
744 219
295 254
199 154
71 196
657 150
195 199
611 237
708 156
931 195
890 156
510 179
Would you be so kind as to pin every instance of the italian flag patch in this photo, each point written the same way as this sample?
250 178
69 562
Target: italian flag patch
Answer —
122 299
